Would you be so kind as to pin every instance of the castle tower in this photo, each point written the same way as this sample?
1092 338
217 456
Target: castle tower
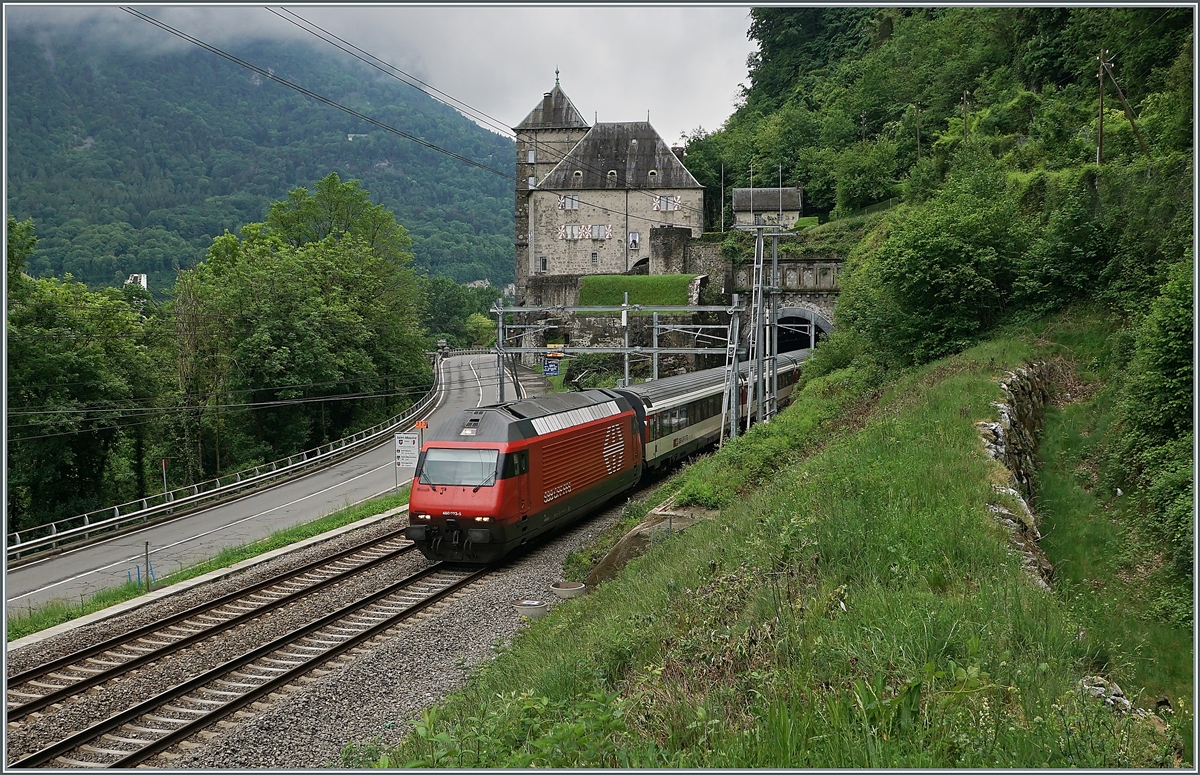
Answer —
544 138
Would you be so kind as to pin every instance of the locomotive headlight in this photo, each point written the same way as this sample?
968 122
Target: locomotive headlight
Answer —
483 519
419 515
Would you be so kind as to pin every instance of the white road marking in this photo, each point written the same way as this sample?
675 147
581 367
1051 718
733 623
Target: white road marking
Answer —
478 379
138 556
443 394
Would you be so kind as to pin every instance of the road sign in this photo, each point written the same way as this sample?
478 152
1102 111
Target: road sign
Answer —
420 425
550 368
408 449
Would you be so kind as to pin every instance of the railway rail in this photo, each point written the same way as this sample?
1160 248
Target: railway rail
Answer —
151 727
58 680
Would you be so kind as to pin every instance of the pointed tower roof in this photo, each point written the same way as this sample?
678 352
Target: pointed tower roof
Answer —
555 111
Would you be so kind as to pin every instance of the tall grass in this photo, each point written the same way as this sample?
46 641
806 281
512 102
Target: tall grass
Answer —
864 610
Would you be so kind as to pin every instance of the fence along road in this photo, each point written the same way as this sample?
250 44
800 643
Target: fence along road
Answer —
467 381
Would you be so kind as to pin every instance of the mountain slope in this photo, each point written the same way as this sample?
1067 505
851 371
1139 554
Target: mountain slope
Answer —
132 162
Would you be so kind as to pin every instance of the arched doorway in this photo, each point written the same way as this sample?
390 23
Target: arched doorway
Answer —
796 325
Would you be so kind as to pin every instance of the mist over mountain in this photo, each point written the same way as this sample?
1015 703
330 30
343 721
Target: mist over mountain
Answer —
132 160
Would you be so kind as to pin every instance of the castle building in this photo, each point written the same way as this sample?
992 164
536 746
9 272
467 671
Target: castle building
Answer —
587 196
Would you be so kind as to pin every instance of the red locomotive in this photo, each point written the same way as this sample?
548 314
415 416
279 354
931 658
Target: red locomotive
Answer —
492 478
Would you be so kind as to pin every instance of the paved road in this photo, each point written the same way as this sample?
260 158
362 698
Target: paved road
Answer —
467 381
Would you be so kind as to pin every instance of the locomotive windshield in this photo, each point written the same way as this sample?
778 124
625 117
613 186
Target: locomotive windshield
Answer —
466 467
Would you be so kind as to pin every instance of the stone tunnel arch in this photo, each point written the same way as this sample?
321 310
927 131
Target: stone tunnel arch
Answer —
790 339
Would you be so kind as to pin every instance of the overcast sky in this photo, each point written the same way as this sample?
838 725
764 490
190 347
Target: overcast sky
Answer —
684 65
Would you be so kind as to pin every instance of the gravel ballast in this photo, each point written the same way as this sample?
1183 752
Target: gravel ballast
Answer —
372 693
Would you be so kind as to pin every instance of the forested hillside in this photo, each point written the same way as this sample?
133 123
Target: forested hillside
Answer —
133 162
983 126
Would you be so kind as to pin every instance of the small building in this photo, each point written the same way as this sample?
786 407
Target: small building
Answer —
139 279
780 207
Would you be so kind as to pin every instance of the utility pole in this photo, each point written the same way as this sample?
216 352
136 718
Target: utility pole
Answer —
722 197
1100 125
655 345
1128 110
500 352
625 326
918 106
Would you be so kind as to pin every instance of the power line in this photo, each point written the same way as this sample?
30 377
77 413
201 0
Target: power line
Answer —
316 30
311 94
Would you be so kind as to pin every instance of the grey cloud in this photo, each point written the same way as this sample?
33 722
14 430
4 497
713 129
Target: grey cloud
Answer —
683 64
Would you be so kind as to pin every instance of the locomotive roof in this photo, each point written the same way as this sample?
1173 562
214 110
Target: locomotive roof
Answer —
515 421
657 391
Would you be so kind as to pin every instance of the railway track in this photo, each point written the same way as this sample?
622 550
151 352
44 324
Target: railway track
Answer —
58 680
149 728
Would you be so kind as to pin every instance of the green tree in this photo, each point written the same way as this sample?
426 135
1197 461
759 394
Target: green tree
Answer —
301 339
80 366
337 210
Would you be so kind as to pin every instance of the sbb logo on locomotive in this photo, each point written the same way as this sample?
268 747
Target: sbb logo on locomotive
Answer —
556 492
614 449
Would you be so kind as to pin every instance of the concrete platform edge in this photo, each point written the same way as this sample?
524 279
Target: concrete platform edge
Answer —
207 578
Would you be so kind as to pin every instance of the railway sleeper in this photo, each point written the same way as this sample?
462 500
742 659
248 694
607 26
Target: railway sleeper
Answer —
165 719
79 763
105 662
189 711
131 741
283 661
105 751
146 730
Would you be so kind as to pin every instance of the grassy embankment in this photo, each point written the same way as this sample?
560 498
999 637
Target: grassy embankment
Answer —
35 619
864 610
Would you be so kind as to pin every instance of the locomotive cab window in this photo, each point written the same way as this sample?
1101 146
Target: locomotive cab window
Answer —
515 464
462 467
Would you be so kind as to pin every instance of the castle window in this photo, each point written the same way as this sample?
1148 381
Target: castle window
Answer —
653 175
634 240
578 174
599 231
531 181
543 261
568 202
612 174
529 156
595 258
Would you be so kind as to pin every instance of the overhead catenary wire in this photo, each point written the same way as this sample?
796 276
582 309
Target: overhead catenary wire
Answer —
489 121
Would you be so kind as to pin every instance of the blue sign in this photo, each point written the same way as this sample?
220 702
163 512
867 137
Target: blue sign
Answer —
550 368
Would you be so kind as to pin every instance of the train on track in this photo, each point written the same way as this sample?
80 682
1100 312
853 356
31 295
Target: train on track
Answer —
493 478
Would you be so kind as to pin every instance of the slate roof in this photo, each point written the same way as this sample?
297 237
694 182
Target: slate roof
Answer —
555 111
766 199
631 149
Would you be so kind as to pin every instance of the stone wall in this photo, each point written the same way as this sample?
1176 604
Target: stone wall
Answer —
553 290
706 258
668 249
1013 441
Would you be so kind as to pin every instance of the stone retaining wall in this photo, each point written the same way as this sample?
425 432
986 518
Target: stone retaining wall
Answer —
1013 441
